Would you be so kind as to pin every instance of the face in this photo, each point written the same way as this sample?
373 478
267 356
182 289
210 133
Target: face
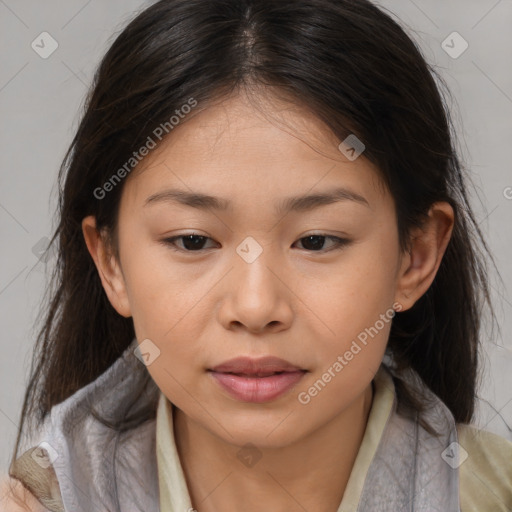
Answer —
313 282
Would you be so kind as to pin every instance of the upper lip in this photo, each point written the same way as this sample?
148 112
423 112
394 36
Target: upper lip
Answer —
250 366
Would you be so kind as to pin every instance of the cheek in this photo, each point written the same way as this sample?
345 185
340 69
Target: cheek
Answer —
168 309
158 292
355 304
171 373
360 287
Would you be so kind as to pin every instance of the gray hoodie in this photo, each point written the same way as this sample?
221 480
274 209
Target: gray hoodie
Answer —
84 461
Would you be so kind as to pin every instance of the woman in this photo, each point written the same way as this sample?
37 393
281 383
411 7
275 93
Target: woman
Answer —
270 285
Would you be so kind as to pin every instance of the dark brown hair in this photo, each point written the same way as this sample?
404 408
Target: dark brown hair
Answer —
353 66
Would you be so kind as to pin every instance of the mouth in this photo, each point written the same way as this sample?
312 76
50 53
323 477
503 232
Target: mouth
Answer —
256 380
251 367
257 387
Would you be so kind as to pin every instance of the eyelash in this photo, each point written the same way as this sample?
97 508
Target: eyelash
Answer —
339 242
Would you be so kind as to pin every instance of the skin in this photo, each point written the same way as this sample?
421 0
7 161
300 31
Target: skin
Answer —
15 498
297 302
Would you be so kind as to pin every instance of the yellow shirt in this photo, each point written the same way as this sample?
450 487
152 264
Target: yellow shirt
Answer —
485 475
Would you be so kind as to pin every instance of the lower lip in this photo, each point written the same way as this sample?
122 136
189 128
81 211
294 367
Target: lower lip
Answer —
257 389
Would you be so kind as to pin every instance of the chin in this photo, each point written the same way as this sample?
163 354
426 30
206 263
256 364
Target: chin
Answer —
267 435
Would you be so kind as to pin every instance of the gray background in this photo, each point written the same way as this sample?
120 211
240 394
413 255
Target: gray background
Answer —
40 102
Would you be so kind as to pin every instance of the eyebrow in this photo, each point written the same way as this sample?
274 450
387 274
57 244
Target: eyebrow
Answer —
301 203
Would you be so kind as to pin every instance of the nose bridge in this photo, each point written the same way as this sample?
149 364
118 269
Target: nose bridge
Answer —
257 292
253 264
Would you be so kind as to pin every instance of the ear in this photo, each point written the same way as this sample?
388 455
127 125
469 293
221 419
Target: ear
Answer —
108 267
428 244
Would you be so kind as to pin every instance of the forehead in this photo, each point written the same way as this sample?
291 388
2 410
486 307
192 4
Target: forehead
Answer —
251 148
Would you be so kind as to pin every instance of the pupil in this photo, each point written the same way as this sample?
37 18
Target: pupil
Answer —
188 242
317 245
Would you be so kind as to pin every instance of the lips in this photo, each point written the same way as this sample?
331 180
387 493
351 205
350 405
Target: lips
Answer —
262 367
256 380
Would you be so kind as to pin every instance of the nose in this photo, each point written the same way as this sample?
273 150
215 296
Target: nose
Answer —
257 296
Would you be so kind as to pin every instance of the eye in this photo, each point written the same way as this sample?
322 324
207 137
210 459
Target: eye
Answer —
195 243
316 242
191 242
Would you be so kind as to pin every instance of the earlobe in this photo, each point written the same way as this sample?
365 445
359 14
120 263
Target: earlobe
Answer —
108 267
428 245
